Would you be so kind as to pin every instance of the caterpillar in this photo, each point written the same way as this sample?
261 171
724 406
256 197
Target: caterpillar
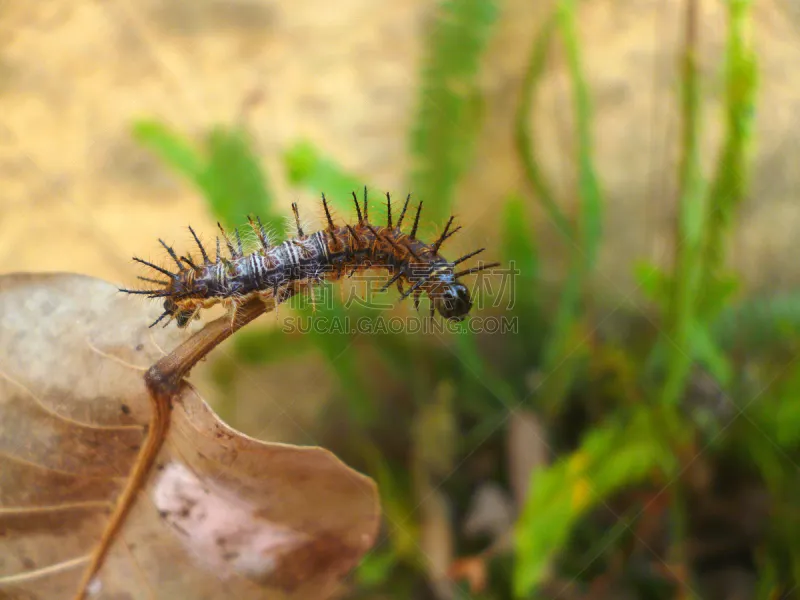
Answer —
271 270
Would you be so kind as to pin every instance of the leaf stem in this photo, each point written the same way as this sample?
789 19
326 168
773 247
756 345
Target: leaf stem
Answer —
164 381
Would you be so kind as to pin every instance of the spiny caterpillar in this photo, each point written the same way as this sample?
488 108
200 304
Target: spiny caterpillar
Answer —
271 270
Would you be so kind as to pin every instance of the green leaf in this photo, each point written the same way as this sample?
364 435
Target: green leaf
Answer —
234 183
777 412
717 294
306 166
653 281
170 147
788 421
610 458
707 352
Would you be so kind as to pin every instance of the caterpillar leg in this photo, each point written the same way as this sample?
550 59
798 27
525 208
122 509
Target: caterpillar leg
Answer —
319 281
234 309
195 314
313 298
271 299
232 304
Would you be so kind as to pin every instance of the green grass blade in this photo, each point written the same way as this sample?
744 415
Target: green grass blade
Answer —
525 140
560 359
518 247
520 254
591 200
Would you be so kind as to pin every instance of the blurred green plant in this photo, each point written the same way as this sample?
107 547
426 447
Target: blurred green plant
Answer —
307 167
449 101
226 170
620 415
695 295
691 297
611 457
562 354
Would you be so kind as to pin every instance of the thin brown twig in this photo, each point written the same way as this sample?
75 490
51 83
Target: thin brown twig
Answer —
165 381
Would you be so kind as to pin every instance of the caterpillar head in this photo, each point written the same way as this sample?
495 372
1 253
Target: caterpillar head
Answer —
453 301
181 316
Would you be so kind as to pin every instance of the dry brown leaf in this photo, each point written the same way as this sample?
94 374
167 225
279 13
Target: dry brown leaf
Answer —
221 514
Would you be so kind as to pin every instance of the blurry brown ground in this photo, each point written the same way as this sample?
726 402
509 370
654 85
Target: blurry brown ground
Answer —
77 194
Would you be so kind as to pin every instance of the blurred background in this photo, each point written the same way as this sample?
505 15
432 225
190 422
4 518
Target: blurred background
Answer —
639 435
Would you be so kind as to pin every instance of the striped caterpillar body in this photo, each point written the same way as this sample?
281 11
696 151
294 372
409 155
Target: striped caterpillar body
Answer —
271 271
